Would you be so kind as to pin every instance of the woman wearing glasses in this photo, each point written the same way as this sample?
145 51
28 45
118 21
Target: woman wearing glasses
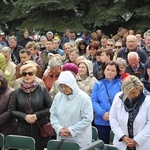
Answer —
30 106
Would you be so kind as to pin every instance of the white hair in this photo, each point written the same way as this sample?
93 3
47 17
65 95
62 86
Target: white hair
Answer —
133 54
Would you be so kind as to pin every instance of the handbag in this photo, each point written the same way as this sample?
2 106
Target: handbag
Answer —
46 130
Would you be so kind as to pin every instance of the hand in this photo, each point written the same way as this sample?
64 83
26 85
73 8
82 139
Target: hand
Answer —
31 118
129 142
106 116
64 132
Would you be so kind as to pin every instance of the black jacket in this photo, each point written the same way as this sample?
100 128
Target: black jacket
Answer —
139 72
40 102
124 53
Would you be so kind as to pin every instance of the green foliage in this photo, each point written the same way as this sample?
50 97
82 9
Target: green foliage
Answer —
80 15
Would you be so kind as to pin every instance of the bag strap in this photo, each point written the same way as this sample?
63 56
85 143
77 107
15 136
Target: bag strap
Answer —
28 102
60 144
31 110
108 94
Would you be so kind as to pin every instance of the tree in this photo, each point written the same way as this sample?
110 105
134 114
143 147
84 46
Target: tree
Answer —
80 15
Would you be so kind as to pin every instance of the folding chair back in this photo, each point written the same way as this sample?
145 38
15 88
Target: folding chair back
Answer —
111 137
110 147
1 140
16 141
66 145
94 134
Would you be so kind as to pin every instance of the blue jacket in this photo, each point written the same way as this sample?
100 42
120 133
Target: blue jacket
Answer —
100 99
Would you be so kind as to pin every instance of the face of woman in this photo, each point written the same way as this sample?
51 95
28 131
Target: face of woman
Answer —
67 49
110 72
66 89
82 46
82 70
92 51
134 93
28 75
122 69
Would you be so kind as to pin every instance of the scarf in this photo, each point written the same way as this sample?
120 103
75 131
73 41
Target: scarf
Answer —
132 106
28 87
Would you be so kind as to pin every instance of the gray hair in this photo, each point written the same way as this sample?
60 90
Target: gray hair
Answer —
130 83
12 37
5 49
121 62
55 61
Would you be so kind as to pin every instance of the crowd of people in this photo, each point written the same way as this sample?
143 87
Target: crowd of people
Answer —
76 82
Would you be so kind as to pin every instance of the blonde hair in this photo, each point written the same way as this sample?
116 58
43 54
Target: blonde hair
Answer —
27 65
130 83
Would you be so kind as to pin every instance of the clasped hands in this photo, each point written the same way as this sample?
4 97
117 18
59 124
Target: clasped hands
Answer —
64 132
129 142
31 118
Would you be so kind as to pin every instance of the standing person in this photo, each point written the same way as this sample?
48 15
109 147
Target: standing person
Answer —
53 72
66 48
34 56
68 66
7 122
93 47
132 132
10 66
135 67
25 55
77 108
98 66
40 102
15 48
103 94
82 45
122 67
3 68
85 78
25 38
132 46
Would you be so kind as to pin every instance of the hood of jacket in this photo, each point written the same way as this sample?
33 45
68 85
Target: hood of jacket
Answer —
2 62
89 65
67 78
4 85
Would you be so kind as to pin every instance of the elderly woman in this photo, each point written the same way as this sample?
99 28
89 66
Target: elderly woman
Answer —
30 106
122 67
7 122
130 116
85 78
77 108
103 94
68 66
53 72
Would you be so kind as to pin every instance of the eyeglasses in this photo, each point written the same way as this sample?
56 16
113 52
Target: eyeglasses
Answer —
110 45
27 73
117 46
